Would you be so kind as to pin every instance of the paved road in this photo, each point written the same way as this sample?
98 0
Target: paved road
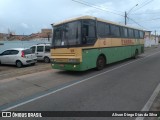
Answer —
125 86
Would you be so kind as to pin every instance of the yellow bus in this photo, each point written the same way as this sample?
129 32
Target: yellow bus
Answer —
88 42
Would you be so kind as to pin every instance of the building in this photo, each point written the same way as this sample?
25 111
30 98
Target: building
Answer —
150 39
45 34
3 36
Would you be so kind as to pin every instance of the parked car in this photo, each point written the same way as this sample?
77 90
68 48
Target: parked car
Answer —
42 51
18 57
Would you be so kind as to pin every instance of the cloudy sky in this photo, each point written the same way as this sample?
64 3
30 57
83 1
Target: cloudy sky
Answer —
29 16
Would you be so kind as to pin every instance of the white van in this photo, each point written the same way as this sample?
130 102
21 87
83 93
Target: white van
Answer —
42 51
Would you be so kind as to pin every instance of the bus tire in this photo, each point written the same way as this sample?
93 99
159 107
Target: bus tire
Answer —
101 62
136 54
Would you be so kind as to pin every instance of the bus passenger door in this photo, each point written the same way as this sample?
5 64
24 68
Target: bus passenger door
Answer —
88 32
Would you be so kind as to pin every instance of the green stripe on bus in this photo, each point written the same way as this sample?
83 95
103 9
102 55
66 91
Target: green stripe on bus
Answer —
89 57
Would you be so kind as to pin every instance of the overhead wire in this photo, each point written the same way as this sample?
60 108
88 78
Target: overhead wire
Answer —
144 4
141 6
94 6
145 13
136 23
150 20
99 7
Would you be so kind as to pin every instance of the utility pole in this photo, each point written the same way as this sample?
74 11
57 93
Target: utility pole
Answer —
126 13
125 16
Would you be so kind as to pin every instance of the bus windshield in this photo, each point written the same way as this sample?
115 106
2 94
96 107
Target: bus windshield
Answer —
68 34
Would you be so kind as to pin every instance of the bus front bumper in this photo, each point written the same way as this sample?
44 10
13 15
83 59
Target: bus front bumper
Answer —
70 67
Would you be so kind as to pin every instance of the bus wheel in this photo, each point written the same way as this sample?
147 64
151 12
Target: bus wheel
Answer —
136 54
100 62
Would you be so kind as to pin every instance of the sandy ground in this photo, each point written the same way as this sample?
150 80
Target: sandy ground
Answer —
8 71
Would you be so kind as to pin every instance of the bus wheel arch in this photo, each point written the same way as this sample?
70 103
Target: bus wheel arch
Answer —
101 62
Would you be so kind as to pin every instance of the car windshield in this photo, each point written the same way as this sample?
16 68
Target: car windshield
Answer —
67 34
27 51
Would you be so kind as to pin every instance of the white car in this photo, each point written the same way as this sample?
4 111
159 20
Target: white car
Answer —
42 51
18 57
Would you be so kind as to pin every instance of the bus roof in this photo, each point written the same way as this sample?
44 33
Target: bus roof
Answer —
98 19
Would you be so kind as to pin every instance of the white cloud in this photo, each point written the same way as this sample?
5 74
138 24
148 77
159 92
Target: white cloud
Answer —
24 25
41 13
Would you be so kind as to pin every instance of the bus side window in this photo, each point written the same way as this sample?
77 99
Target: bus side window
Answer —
115 31
103 29
131 33
124 32
88 32
136 32
85 34
141 33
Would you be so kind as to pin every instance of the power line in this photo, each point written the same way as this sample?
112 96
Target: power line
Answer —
143 5
94 6
145 13
97 7
100 6
136 23
150 20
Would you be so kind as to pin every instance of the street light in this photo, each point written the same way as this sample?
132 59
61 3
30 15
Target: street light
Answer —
126 14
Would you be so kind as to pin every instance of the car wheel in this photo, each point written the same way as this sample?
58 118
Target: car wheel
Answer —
46 59
19 64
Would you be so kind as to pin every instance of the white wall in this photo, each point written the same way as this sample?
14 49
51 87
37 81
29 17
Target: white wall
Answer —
149 42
